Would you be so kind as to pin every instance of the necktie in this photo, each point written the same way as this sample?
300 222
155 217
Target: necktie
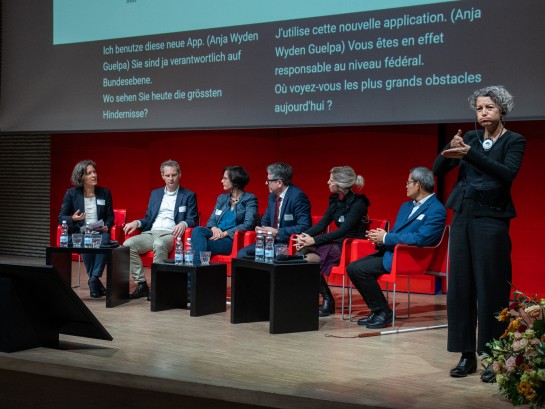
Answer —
276 212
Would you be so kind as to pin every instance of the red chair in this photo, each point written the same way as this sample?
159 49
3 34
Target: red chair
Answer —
116 232
412 261
350 253
238 243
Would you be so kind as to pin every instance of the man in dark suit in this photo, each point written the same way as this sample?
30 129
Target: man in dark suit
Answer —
288 207
419 222
171 209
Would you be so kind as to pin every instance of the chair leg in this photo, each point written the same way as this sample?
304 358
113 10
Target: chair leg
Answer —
408 297
394 308
342 299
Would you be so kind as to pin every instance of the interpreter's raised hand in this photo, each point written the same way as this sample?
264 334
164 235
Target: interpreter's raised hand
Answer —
457 140
457 152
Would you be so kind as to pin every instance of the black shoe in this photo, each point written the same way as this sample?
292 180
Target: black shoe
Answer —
142 290
94 287
381 320
328 307
488 376
466 366
368 319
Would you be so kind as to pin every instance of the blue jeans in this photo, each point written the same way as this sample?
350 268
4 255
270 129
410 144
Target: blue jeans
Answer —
95 263
200 242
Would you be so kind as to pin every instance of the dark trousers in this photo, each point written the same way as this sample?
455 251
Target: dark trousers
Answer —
364 273
479 280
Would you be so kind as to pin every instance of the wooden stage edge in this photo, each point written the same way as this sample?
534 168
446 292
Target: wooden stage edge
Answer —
168 359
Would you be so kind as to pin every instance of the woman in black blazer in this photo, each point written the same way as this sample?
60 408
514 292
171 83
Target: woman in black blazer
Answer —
84 203
480 247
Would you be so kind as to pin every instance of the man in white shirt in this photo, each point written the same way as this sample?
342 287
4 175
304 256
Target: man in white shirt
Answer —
171 209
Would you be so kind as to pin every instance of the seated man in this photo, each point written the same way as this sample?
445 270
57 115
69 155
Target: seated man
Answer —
288 208
419 222
171 209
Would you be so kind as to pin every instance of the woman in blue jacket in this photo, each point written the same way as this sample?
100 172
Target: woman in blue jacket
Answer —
234 210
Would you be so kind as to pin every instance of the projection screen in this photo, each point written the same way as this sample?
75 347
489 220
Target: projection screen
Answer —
79 65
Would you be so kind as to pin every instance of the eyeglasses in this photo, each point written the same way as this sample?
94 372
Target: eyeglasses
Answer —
408 182
269 181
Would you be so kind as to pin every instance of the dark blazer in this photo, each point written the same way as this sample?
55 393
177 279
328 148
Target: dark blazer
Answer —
185 208
349 215
245 212
485 176
294 214
73 200
424 227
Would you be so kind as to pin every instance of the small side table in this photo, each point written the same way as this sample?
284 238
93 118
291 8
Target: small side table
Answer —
284 294
208 287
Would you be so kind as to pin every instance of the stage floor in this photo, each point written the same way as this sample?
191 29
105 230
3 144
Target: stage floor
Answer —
207 357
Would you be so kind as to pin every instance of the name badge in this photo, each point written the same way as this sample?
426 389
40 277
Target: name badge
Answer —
288 217
101 202
341 219
420 217
218 212
182 209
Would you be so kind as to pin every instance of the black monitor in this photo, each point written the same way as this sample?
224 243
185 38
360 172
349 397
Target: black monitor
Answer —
36 305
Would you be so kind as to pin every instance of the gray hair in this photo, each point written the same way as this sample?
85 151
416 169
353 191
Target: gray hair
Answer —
498 94
281 171
171 163
425 177
345 177
79 171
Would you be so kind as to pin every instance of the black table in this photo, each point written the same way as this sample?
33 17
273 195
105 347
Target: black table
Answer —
284 294
208 287
117 281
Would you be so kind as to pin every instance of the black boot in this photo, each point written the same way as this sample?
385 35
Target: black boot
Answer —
101 287
328 306
142 290
94 287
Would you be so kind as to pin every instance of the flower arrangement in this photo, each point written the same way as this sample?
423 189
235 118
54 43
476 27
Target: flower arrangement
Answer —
518 357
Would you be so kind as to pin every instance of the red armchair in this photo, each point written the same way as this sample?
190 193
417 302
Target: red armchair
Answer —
413 261
351 252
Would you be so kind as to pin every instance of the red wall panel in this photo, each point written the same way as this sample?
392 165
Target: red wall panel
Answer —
128 164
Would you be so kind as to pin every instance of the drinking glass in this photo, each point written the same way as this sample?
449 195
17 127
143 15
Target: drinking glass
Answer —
77 239
205 257
280 250
97 240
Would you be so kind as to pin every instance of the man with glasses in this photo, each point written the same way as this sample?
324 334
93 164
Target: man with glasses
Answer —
288 208
419 222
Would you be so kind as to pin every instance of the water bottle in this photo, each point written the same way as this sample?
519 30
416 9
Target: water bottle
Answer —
64 234
88 238
269 248
259 247
179 253
188 254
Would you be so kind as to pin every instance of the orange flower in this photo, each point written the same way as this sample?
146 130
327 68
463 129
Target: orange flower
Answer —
513 326
504 315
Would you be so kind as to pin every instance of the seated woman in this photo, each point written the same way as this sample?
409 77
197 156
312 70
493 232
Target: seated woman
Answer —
349 212
234 210
88 203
